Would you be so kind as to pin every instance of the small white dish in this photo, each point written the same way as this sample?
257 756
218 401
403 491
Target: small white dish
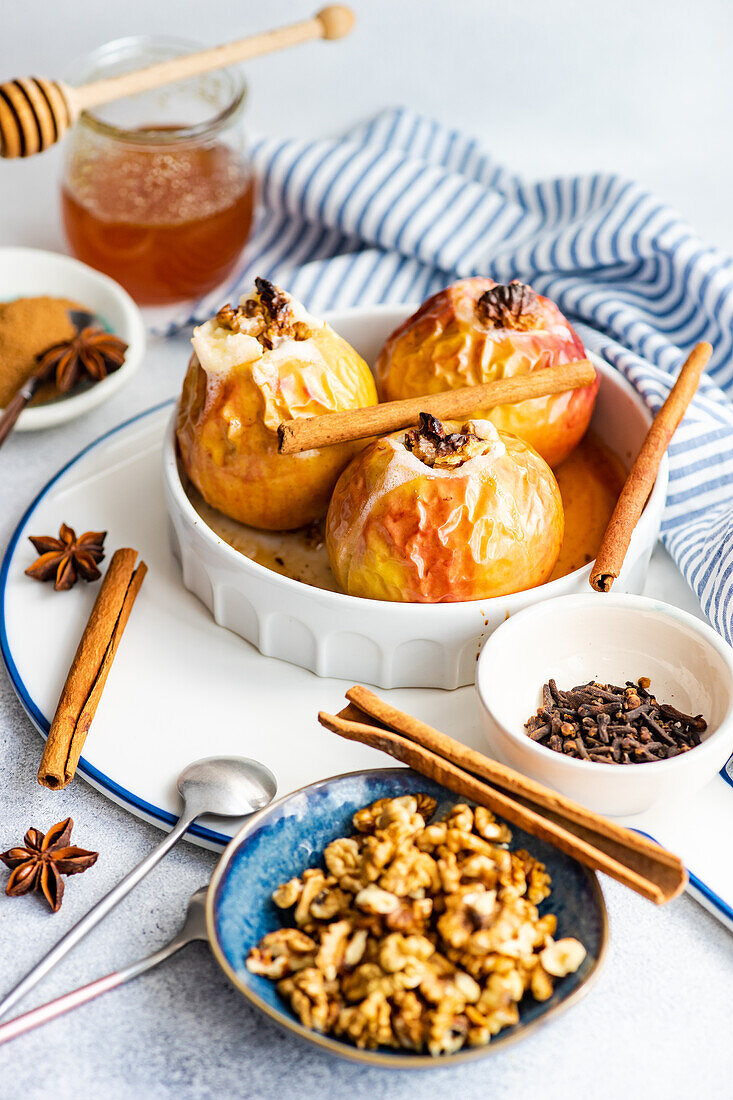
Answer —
27 272
383 643
610 638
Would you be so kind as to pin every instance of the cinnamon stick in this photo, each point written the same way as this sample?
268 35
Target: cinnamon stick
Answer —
89 669
643 473
307 433
644 867
614 839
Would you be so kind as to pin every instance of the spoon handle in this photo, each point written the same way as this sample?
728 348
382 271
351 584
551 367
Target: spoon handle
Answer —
15 406
97 913
44 1013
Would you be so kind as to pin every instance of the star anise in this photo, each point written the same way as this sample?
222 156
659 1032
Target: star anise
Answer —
92 352
40 864
67 557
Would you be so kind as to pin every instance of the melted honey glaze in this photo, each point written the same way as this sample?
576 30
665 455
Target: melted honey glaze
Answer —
590 480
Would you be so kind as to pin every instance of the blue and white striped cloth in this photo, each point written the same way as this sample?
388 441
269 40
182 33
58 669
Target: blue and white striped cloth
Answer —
402 206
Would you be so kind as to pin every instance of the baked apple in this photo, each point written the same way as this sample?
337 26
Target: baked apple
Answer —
477 330
265 361
444 513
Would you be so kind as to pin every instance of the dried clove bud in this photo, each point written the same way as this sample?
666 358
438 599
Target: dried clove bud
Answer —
610 724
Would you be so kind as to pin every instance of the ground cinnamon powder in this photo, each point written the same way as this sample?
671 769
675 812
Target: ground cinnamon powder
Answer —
27 327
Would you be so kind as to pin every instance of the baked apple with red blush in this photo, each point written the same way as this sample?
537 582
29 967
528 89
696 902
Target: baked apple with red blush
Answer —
253 366
444 513
476 331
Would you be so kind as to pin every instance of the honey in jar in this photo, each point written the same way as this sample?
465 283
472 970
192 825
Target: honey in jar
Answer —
157 191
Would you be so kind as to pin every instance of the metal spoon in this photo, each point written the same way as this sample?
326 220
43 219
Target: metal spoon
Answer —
194 928
229 786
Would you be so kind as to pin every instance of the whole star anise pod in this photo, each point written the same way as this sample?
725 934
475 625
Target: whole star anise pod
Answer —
67 557
44 859
92 351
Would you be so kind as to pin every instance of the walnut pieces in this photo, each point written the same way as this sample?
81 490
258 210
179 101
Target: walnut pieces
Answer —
417 935
514 306
435 447
267 316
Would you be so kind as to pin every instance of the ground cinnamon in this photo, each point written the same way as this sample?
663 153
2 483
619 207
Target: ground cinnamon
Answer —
643 473
28 326
89 670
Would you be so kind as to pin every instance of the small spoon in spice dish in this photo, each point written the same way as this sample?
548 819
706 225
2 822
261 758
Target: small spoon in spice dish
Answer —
227 786
194 928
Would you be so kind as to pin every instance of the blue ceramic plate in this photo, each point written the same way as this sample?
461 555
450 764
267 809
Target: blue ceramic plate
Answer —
285 838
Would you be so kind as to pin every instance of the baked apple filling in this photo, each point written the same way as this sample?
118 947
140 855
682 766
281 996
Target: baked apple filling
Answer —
443 450
267 316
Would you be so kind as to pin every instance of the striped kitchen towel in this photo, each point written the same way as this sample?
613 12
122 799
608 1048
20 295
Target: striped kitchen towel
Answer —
402 206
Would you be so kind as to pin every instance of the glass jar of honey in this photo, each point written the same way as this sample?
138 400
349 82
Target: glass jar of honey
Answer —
157 191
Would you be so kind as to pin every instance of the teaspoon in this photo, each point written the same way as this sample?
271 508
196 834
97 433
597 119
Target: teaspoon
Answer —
229 786
194 928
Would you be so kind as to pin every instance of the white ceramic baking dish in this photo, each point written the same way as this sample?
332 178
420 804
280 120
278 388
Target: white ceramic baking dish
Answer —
381 643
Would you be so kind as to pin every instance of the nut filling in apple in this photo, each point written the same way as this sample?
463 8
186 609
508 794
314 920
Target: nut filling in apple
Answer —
268 318
436 448
513 306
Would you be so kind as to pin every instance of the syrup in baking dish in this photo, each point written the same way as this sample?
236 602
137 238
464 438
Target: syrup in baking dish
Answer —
590 480
167 222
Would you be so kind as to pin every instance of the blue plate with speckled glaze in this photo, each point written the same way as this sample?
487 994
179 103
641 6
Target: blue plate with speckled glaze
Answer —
284 839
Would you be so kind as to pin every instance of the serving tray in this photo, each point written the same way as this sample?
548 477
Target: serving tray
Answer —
182 687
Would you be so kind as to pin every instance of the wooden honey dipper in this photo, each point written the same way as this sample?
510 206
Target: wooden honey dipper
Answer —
36 113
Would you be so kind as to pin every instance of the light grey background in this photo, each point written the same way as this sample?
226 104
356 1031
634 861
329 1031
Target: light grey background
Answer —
643 89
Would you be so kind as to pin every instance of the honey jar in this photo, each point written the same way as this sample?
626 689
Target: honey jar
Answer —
157 190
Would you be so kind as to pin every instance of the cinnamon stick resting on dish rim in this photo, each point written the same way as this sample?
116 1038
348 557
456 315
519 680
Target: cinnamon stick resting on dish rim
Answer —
307 433
643 473
604 845
89 669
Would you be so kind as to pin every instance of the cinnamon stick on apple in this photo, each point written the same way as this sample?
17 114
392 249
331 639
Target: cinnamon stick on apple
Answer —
89 670
306 433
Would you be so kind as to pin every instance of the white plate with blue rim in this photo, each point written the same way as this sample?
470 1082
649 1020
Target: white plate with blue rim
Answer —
182 687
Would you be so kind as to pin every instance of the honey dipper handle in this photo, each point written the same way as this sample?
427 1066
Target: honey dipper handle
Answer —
332 22
36 113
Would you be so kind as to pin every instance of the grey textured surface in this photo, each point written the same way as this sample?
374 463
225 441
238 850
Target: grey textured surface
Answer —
658 1021
181 1031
